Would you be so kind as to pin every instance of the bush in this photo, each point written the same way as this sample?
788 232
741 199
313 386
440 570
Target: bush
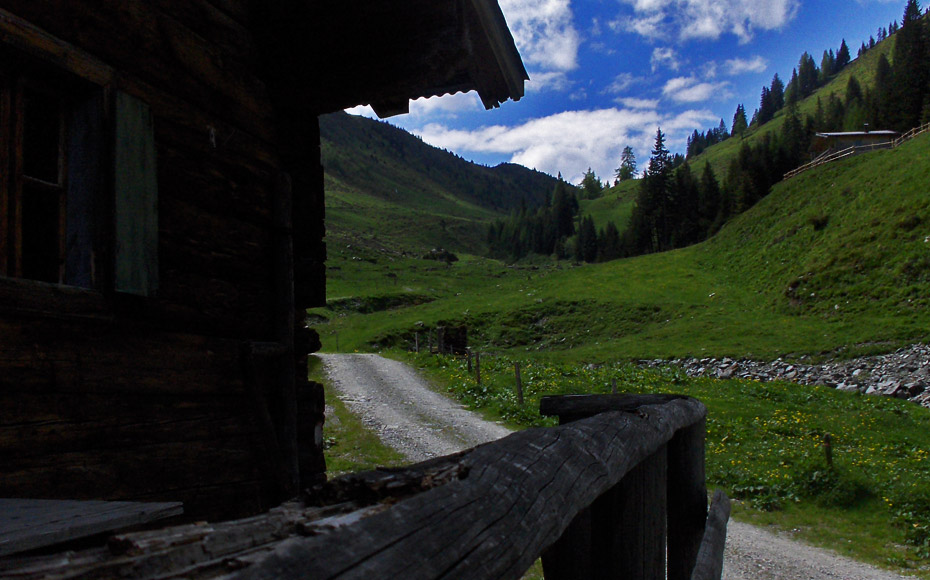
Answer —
829 486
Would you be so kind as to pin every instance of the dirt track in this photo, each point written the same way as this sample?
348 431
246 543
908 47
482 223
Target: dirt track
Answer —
398 404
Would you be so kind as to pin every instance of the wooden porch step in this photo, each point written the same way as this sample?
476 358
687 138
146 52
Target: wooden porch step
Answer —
26 524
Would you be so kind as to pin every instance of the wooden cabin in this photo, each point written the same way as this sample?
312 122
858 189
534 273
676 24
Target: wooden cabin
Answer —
161 229
829 142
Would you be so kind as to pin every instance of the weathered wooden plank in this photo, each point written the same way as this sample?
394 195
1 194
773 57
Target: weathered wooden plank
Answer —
484 513
517 498
167 472
82 358
570 557
571 407
710 558
166 54
628 540
687 499
26 524
30 39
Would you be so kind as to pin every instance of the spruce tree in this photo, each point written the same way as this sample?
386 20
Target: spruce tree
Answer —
591 185
709 205
739 121
777 91
627 169
766 107
842 56
910 69
807 75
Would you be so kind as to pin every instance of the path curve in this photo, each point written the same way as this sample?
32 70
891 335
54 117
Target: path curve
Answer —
399 405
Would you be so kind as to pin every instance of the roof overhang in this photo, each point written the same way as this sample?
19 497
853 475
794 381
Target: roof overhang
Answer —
384 54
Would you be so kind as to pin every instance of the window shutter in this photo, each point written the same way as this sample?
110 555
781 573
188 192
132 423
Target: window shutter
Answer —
136 198
85 182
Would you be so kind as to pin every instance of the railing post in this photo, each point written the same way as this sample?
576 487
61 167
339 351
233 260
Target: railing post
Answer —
687 499
653 511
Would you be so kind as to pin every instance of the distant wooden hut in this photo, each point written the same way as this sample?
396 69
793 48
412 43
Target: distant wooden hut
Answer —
161 226
832 142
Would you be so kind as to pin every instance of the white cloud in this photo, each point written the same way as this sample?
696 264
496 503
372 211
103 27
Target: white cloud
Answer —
544 32
664 57
362 111
621 83
738 66
447 105
634 103
572 141
707 18
692 90
646 26
548 81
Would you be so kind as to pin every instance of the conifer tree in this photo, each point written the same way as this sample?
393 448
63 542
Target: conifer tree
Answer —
739 121
766 107
777 91
842 57
627 169
709 202
807 76
792 91
910 69
828 66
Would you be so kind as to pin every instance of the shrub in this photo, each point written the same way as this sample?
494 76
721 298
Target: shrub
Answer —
829 486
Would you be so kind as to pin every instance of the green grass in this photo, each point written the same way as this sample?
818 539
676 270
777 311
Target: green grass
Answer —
614 205
835 260
764 448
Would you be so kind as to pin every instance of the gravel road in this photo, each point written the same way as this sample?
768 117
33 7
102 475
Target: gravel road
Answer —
395 402
398 404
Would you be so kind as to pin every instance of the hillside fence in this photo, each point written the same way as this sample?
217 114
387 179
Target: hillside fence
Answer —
831 156
616 490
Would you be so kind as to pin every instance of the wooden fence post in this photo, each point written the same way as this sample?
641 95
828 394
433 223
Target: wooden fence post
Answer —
516 370
478 367
468 358
416 343
687 499
657 512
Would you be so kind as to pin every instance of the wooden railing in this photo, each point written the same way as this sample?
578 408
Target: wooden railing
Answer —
616 490
912 133
831 156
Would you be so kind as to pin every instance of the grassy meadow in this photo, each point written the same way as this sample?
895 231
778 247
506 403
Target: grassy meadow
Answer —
835 262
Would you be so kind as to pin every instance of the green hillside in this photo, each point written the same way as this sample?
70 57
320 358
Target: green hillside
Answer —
614 205
837 257
863 69
388 189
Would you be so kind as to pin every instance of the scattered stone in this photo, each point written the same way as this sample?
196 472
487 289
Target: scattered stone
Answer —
904 374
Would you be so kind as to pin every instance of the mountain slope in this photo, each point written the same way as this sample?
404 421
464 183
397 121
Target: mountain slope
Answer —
382 182
835 258
863 69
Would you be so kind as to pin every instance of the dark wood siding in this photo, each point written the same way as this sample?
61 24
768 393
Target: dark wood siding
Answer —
115 396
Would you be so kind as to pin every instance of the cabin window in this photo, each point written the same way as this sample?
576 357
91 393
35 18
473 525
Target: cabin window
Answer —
50 152
33 173
78 189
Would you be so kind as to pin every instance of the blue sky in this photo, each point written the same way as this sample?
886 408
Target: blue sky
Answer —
606 73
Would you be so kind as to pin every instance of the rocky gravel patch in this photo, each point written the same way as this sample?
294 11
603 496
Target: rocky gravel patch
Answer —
904 374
